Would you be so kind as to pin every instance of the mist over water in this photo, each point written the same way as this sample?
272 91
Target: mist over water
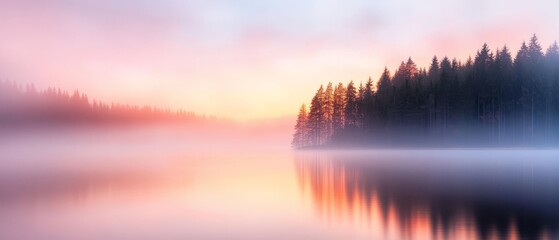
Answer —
170 183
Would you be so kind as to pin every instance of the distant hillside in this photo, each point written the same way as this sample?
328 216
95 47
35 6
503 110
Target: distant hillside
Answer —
25 106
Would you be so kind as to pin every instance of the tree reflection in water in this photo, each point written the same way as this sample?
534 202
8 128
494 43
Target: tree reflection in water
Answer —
427 195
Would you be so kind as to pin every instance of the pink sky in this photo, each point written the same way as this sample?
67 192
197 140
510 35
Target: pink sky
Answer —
245 59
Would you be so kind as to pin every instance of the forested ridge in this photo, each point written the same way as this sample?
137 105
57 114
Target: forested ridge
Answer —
490 100
26 106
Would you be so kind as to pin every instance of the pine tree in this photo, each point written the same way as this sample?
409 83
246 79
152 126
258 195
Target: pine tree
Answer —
315 122
552 77
433 73
367 105
352 107
328 111
411 75
536 89
359 118
399 75
338 116
501 75
384 98
300 137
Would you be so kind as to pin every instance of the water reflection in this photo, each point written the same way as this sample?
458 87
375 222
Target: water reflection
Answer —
151 195
435 194
66 187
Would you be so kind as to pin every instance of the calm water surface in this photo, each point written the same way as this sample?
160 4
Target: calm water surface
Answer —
170 188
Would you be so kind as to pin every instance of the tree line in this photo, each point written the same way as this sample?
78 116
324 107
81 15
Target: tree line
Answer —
493 99
23 106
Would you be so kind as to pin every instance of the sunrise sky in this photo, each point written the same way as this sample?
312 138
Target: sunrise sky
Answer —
245 59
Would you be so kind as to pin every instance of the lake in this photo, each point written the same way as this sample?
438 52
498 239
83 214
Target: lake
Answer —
162 185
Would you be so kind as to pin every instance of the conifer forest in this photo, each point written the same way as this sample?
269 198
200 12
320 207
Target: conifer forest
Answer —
492 99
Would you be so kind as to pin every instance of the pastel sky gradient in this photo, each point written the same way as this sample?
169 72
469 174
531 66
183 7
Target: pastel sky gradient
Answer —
245 59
